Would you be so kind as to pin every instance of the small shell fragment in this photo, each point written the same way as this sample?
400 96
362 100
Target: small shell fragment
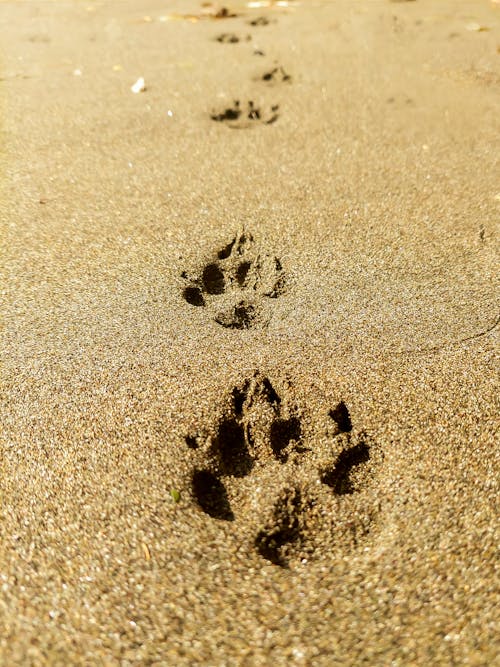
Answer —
476 27
139 86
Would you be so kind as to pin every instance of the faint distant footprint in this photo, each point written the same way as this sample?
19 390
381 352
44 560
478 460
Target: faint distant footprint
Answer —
276 74
231 38
259 21
261 465
238 285
239 117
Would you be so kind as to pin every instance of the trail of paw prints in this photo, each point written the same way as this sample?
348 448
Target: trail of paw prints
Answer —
233 38
248 114
261 466
237 286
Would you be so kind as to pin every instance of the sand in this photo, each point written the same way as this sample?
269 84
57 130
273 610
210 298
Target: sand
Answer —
249 374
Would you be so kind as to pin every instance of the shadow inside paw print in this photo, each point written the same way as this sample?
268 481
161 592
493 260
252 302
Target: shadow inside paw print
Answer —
260 442
285 531
240 116
237 284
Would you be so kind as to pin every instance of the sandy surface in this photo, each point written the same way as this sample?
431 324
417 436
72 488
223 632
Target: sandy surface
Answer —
249 399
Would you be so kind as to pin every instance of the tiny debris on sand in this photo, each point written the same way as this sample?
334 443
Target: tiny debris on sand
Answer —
139 86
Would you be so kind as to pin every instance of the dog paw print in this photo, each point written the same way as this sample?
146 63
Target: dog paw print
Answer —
238 285
242 116
275 75
259 21
231 38
263 466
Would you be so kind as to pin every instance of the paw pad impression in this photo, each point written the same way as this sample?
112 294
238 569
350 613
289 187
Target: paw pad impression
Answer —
260 464
237 285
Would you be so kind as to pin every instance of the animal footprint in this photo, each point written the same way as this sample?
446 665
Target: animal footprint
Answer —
259 21
261 465
238 285
275 75
231 38
240 117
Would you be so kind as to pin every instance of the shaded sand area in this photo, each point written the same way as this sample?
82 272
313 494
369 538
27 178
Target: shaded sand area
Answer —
249 396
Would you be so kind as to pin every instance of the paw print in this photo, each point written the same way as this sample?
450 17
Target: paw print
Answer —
231 38
237 285
239 117
260 465
275 75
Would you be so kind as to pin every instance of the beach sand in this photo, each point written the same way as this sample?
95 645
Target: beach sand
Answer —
249 375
